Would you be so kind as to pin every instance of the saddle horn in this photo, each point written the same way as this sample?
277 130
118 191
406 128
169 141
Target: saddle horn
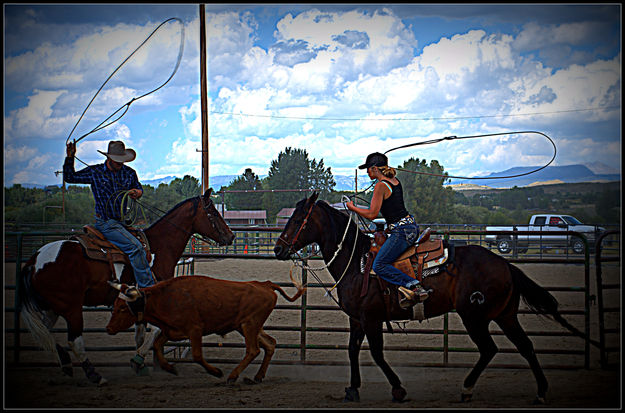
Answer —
115 285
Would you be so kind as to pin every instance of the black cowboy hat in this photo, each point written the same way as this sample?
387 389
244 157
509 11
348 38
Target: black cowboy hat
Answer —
374 159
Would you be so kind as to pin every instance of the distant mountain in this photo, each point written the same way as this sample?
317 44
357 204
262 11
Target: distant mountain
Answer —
601 168
566 174
156 182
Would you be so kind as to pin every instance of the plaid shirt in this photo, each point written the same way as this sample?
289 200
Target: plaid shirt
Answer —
106 185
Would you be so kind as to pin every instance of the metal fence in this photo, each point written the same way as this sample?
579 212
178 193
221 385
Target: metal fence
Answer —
254 243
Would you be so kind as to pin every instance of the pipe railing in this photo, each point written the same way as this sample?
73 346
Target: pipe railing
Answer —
304 307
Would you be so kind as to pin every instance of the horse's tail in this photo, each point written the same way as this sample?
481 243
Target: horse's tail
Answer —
300 289
31 312
541 301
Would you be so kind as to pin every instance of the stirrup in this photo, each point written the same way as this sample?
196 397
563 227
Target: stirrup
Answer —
412 297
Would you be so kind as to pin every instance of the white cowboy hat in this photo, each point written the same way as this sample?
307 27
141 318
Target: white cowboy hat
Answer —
117 151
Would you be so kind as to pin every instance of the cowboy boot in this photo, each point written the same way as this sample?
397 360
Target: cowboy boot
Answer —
412 296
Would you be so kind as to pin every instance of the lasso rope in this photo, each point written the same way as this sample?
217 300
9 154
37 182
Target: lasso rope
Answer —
129 208
127 105
449 138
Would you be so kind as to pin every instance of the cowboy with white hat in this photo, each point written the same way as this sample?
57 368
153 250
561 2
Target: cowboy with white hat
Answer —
109 181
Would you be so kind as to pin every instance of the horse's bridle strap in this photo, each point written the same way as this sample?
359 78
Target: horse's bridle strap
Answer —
292 244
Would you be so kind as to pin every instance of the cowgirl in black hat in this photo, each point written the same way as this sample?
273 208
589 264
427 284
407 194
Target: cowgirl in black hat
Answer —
388 199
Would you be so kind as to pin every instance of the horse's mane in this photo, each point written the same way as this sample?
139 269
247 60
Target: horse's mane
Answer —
195 200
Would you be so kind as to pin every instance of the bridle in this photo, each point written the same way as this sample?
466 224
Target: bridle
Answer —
211 219
336 253
292 244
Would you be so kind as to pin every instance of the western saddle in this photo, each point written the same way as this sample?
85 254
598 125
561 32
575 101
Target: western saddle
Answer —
424 254
97 247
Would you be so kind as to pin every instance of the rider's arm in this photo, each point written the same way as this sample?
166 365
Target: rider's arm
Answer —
84 176
135 185
376 202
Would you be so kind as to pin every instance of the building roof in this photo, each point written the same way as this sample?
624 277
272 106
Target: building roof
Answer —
246 214
285 212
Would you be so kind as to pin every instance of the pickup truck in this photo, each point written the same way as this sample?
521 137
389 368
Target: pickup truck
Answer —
544 223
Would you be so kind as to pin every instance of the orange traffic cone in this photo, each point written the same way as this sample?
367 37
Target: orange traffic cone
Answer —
245 249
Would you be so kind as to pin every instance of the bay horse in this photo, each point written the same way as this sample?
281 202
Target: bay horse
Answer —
59 279
475 269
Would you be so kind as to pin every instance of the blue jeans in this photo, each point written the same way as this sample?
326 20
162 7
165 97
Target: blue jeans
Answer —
399 240
115 232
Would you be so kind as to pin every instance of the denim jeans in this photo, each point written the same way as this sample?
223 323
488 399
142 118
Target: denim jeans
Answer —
399 240
115 232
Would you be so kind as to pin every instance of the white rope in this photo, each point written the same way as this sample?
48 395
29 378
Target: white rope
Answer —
336 253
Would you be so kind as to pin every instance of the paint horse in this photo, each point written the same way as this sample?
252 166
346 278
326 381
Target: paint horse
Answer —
59 279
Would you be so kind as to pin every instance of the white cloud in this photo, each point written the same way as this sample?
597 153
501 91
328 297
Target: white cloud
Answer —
16 154
40 169
343 65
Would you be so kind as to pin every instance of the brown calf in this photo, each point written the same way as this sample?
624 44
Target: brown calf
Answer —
190 307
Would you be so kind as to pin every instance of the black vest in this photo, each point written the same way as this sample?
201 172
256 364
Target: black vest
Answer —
393 208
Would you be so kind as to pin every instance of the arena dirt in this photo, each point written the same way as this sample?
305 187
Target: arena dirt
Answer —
292 387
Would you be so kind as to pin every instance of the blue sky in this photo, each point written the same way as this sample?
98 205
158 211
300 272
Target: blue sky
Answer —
340 81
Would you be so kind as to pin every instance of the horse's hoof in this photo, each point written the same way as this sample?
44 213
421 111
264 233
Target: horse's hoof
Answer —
92 375
68 371
231 381
399 394
138 366
465 397
351 395
539 400
103 382
249 381
172 370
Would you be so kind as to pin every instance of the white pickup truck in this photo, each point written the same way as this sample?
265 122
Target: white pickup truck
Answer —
544 223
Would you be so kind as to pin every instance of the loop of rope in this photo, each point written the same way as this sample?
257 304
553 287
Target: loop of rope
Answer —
129 208
127 105
449 138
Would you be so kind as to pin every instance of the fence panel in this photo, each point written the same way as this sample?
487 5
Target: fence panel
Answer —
312 330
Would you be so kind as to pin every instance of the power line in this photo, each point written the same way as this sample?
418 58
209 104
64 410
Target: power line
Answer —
412 119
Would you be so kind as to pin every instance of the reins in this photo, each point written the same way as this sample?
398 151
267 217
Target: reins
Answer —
336 252
190 234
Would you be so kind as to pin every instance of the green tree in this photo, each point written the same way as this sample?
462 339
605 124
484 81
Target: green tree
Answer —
294 170
187 187
244 201
424 195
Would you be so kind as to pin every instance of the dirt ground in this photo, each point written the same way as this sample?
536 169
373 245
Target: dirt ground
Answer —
296 387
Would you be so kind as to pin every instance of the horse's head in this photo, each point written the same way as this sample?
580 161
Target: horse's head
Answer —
123 315
209 223
300 230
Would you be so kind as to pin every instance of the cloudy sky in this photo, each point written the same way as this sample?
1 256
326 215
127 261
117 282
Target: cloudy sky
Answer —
340 81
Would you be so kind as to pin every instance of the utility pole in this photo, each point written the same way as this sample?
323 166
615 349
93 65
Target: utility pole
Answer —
203 99
63 194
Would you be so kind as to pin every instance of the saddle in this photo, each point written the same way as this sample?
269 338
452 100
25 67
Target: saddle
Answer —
426 257
96 247
423 255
